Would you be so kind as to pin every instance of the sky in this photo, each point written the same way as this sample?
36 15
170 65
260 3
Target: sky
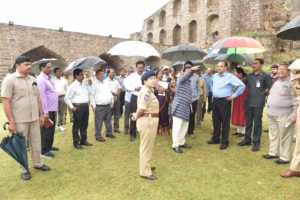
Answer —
101 17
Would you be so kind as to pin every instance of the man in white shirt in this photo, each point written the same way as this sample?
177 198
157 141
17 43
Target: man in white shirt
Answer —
116 90
102 100
133 84
127 99
77 98
166 70
60 85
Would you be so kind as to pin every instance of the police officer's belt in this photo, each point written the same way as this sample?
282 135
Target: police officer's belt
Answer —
154 115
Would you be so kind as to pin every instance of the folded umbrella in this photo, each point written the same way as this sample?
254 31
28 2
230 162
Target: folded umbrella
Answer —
15 146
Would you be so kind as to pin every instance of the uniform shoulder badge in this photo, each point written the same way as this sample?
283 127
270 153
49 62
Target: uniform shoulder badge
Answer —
146 98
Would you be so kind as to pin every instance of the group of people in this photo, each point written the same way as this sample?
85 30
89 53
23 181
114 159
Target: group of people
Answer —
154 102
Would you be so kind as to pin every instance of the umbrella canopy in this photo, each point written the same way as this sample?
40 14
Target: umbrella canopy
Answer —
237 45
183 53
85 62
15 146
210 59
295 65
133 48
237 58
291 31
55 63
179 64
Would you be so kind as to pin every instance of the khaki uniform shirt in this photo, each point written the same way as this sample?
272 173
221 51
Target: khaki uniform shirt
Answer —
147 101
23 93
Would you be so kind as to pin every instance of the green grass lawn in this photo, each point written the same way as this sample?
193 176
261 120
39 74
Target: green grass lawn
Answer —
110 171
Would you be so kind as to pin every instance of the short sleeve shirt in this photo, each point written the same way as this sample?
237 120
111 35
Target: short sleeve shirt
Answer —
257 84
23 93
147 101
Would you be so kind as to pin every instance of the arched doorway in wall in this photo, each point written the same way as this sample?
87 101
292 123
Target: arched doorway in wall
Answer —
162 37
177 7
177 35
150 25
213 27
41 52
193 31
162 18
150 37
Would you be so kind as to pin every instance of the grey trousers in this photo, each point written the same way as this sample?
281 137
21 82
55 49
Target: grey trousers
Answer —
102 114
126 116
116 114
61 110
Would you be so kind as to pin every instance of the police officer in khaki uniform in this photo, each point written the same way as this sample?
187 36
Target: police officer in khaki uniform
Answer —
295 164
147 123
22 106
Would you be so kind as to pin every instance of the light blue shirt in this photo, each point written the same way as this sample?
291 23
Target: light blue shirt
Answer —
208 81
226 84
195 86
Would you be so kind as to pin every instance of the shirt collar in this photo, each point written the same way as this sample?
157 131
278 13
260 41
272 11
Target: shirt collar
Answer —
77 82
48 77
18 75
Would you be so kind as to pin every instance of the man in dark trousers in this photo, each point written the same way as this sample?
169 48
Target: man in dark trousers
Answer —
49 99
259 84
224 83
133 84
77 98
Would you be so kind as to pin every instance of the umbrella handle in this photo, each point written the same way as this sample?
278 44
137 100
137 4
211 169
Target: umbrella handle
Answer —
5 125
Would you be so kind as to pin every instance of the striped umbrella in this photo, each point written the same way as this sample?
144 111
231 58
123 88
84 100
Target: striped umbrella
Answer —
237 45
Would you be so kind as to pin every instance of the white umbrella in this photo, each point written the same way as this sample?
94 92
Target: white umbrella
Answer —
133 48
295 65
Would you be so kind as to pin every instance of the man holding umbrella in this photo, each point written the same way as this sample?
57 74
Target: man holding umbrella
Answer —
22 106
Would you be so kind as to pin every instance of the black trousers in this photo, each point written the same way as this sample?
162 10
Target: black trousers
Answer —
192 118
133 107
253 114
47 134
122 100
81 120
209 101
221 113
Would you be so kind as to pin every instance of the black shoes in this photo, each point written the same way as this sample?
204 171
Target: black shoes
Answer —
185 146
100 139
54 149
153 168
86 143
26 176
255 147
110 136
223 146
132 138
151 177
244 143
117 131
177 150
279 162
268 156
213 141
77 146
42 168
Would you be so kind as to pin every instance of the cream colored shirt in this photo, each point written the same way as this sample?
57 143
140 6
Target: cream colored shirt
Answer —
133 81
101 93
23 93
61 85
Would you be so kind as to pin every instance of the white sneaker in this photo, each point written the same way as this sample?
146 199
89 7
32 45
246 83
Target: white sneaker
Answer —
61 128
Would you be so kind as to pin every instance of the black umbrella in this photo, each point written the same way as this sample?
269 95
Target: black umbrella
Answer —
15 146
291 31
85 62
183 53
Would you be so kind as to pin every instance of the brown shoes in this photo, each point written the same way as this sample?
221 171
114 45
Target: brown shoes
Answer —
290 173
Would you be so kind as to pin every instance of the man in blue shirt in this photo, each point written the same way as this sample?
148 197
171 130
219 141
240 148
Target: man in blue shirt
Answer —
208 80
224 83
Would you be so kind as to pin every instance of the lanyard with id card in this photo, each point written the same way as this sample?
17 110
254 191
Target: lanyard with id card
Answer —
257 84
